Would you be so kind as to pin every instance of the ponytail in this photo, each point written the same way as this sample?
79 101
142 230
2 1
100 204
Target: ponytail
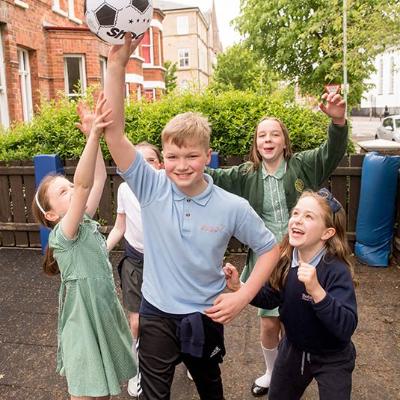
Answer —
279 275
49 265
39 206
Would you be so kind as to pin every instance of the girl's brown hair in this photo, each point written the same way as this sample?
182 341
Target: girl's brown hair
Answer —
50 266
152 147
336 246
255 156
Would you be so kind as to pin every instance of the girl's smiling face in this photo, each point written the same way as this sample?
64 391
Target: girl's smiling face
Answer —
307 229
270 141
59 194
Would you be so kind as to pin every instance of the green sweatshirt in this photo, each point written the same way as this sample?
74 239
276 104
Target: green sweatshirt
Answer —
305 170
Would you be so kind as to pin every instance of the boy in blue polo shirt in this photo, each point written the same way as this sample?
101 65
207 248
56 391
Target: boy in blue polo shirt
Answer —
187 224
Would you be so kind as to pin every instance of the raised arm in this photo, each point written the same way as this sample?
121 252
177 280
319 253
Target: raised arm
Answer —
84 173
121 149
318 164
86 117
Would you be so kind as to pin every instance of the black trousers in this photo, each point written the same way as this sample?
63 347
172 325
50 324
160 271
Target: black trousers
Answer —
159 353
294 370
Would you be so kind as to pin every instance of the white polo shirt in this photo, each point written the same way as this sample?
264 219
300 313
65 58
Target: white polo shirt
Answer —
129 205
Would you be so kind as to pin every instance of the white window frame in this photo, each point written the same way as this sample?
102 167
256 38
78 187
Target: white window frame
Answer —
4 116
184 84
21 4
103 69
71 8
70 13
182 25
24 72
57 9
184 56
159 49
151 48
127 93
82 74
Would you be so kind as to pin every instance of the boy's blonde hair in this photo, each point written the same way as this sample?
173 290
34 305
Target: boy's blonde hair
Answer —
187 128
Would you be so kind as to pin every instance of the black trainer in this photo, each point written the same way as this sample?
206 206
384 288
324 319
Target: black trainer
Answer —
258 391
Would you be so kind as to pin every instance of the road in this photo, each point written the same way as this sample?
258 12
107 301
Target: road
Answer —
364 128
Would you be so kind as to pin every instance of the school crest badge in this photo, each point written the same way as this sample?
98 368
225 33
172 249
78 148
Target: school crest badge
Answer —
299 185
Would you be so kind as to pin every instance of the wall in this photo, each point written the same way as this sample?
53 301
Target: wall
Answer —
386 89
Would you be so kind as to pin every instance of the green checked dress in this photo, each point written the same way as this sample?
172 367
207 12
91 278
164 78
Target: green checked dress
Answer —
94 340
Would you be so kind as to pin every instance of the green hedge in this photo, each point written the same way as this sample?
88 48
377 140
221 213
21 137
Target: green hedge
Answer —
233 117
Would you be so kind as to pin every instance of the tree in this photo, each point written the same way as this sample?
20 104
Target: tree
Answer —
303 39
170 76
239 68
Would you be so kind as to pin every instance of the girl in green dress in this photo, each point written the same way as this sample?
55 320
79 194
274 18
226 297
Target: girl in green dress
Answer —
94 339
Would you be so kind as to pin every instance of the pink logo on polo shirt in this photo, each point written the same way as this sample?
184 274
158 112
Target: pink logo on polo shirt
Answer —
211 228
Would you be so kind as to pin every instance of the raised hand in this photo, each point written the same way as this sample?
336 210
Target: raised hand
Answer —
99 116
86 118
308 275
334 106
119 54
232 277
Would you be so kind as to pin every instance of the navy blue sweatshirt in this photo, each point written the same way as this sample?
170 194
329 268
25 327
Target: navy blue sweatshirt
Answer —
324 327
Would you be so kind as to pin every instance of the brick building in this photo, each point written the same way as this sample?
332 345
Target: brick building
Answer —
46 49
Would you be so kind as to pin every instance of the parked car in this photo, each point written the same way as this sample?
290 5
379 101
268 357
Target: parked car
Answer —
389 129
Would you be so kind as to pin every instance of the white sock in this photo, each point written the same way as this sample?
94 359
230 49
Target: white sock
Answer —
134 350
269 357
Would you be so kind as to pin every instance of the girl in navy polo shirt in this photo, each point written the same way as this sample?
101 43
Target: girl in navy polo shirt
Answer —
313 287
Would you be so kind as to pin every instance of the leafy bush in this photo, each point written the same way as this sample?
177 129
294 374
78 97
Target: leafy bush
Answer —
232 115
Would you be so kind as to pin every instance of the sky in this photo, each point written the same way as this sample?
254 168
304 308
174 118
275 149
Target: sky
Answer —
226 11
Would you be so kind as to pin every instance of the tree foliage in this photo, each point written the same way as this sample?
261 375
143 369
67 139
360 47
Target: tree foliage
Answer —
303 39
239 68
170 76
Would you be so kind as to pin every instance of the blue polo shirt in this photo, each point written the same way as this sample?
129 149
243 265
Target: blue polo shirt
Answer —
185 238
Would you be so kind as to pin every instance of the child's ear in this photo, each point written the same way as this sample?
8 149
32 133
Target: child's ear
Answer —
208 156
51 216
329 232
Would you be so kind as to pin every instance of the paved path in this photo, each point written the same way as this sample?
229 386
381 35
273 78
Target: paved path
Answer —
28 314
364 128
